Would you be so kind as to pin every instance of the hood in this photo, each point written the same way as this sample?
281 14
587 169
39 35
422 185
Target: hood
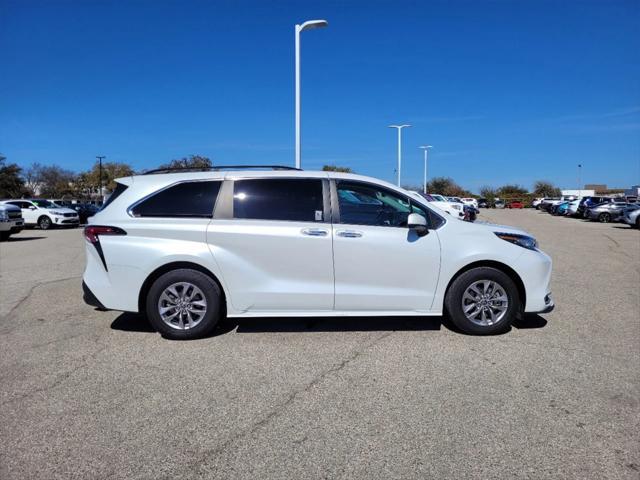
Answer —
61 210
493 227
8 207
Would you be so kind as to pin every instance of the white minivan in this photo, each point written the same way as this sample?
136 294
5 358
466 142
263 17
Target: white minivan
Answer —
188 248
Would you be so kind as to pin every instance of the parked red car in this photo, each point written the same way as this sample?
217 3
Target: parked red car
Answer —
515 204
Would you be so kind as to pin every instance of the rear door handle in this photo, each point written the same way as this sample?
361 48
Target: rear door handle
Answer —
349 233
315 232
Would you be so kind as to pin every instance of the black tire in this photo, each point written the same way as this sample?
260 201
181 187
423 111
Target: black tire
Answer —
638 222
604 217
44 222
211 292
453 300
4 236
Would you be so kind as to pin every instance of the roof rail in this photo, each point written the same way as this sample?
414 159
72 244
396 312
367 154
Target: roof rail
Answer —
216 168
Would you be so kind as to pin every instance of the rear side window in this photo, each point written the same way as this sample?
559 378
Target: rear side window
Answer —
286 199
186 199
115 194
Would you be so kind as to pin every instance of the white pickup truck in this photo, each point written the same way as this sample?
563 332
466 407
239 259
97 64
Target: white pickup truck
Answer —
10 221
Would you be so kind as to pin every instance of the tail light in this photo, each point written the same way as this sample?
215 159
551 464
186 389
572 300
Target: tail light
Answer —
92 234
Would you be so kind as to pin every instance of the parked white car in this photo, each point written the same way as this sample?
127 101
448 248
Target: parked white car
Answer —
573 207
188 248
472 202
45 213
10 221
452 208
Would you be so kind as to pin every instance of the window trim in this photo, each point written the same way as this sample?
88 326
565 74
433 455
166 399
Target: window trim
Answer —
335 205
229 214
155 192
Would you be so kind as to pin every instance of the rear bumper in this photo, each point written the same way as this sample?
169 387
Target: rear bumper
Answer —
89 298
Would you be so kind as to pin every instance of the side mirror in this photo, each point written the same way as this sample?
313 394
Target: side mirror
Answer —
417 223
32 207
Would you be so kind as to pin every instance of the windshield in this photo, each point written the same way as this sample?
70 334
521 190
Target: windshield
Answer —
438 198
45 204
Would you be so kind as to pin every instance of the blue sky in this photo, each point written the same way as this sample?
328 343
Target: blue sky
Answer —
506 91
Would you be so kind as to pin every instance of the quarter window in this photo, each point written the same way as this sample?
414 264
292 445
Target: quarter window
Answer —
364 204
286 199
187 199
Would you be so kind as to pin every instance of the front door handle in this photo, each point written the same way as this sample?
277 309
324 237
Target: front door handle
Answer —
349 233
315 232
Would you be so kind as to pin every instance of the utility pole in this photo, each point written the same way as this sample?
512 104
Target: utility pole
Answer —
399 128
426 149
308 25
579 180
100 158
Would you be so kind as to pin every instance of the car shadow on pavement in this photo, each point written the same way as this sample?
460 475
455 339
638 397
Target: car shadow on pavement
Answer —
336 324
24 239
133 322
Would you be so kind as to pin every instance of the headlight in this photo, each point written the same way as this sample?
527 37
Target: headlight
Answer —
3 214
457 207
57 214
521 240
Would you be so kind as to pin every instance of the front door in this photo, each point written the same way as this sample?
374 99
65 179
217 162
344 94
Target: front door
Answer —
29 211
380 264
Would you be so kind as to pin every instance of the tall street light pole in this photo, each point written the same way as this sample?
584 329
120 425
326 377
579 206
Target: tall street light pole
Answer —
100 158
308 25
579 180
399 128
426 151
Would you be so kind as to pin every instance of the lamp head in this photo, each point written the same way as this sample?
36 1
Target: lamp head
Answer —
309 24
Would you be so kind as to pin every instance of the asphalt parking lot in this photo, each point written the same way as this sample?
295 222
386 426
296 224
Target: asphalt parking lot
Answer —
90 394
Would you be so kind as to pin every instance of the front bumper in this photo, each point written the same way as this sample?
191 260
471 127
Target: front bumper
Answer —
548 300
11 225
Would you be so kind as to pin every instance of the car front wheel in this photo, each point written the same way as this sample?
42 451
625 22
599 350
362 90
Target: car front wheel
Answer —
44 222
184 304
604 217
482 301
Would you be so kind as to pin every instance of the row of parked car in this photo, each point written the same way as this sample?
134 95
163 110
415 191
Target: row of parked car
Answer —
16 214
462 208
602 209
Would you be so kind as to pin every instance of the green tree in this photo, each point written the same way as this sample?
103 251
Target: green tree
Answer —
87 183
543 188
511 191
447 187
192 161
56 182
488 192
335 168
11 182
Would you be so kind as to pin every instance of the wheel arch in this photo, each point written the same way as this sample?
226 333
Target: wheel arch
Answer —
168 267
522 293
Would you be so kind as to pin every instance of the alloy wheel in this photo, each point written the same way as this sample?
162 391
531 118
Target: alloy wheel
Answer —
485 302
182 305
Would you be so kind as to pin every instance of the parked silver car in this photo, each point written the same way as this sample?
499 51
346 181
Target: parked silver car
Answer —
631 216
607 212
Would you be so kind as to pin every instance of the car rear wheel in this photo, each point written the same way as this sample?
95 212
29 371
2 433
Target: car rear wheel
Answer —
5 236
482 301
604 218
44 222
184 304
